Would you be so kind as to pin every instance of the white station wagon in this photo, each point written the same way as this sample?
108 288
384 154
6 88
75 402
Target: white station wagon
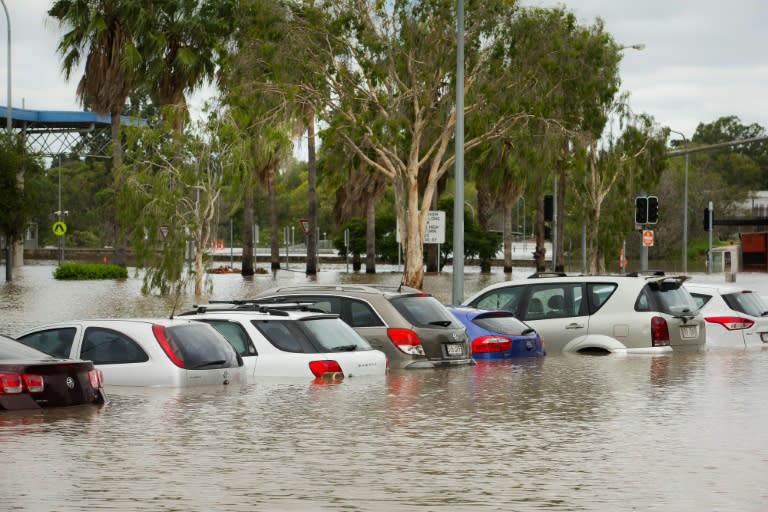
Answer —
281 343
601 314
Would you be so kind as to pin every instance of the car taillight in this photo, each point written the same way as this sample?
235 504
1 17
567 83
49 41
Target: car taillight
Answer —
162 339
33 383
486 344
732 323
407 341
14 383
659 332
11 383
326 369
96 378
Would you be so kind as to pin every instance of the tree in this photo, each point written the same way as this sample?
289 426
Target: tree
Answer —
102 32
20 175
171 192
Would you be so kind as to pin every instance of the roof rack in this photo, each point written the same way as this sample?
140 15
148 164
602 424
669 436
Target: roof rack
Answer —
639 273
537 275
219 306
348 287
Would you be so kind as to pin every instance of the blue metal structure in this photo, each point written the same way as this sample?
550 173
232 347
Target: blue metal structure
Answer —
51 132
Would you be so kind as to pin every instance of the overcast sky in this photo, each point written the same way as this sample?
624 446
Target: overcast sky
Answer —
703 59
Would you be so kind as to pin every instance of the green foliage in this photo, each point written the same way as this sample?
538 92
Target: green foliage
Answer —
82 271
19 199
478 243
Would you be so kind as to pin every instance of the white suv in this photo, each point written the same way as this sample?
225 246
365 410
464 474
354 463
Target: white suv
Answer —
601 314
279 343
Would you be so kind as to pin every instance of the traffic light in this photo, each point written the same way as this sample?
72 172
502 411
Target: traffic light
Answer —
641 210
706 219
653 209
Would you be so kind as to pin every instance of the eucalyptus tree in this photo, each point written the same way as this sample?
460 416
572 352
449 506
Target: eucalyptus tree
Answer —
172 187
102 33
395 81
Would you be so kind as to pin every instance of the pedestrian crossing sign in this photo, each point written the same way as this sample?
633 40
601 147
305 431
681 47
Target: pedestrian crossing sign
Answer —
59 228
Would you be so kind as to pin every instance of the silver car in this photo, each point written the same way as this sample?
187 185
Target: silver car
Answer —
602 314
144 352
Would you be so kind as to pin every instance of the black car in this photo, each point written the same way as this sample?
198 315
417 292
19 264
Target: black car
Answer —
30 379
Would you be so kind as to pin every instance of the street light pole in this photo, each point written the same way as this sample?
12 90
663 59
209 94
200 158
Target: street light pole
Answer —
685 203
457 295
9 107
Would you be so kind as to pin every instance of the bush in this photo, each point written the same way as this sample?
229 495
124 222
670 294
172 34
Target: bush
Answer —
90 271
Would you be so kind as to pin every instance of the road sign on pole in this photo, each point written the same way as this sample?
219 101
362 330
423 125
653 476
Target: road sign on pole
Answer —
164 231
648 237
59 228
304 225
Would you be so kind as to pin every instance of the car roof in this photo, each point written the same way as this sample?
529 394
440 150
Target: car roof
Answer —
717 288
165 321
262 312
377 289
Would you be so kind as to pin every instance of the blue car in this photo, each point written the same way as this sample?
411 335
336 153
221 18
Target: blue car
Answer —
498 334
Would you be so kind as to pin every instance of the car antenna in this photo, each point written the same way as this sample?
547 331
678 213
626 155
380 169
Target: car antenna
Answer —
175 302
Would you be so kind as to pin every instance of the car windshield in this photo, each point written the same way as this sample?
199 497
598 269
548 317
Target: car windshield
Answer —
201 347
669 296
335 335
12 349
425 311
746 302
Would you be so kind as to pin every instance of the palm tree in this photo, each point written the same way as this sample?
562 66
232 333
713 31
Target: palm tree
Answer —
101 32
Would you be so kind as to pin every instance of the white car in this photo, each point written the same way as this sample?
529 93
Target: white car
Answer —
280 343
144 352
648 314
736 317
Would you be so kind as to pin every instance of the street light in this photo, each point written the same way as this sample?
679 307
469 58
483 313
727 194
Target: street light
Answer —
9 107
685 203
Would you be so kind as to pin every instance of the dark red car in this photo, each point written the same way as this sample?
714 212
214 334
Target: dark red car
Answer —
30 379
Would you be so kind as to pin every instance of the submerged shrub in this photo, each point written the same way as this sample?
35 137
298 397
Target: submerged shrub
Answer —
90 271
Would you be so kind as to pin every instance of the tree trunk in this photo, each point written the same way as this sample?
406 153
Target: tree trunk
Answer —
273 227
312 193
508 238
370 237
560 227
413 268
246 268
541 250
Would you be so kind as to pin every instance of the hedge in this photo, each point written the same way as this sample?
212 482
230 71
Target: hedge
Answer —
90 271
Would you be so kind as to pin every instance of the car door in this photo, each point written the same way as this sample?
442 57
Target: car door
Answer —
557 311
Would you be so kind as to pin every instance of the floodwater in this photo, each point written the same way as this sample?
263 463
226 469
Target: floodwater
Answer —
680 432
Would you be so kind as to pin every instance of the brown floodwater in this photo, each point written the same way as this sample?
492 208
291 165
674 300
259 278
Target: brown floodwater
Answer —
680 432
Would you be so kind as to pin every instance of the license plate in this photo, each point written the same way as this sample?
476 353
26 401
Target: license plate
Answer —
688 331
455 349
764 337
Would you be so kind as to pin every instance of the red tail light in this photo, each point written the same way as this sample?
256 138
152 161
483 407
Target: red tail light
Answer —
162 339
326 369
33 383
486 344
15 383
407 341
732 323
11 383
659 332
96 378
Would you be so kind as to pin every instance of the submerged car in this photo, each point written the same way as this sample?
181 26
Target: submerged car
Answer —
410 326
279 343
736 317
498 334
635 313
144 352
30 379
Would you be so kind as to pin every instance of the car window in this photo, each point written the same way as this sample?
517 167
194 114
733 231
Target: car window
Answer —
235 334
505 299
666 296
554 300
425 311
599 294
105 346
285 336
201 347
700 299
362 315
56 342
334 334
745 302
508 325
12 349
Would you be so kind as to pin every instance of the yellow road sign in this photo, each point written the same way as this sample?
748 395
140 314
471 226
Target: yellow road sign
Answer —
59 228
